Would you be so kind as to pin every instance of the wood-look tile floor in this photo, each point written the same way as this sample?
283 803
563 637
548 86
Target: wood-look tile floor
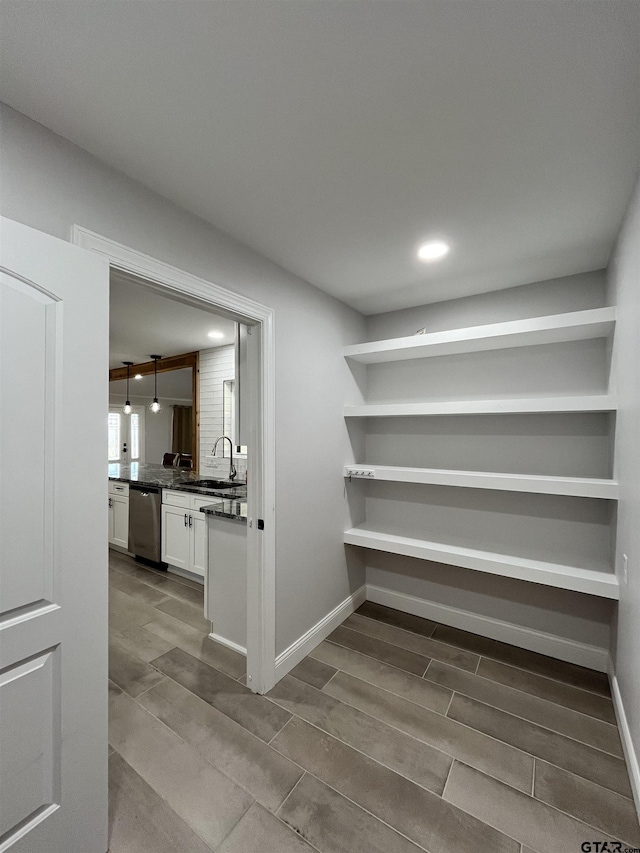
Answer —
396 734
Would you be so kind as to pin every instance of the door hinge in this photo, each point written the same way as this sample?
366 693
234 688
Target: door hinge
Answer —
260 524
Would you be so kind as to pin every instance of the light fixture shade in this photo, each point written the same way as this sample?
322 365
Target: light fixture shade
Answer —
155 406
127 406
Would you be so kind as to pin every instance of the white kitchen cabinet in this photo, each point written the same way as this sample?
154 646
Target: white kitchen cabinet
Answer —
184 531
176 537
119 514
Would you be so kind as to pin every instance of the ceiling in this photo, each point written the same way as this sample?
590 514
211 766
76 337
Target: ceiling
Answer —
143 323
335 136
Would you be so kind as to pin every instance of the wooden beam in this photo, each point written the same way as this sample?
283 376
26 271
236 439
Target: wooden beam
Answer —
172 362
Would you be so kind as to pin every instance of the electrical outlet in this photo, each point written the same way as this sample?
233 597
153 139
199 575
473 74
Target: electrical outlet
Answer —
209 463
625 569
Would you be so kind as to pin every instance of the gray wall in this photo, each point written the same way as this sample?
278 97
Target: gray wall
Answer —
624 291
50 184
556 529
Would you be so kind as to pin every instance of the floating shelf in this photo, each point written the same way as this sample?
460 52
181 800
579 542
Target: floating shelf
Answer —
582 487
527 405
557 328
600 583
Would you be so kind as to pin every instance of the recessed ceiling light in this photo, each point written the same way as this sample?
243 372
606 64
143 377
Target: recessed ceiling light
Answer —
433 250
216 335
138 376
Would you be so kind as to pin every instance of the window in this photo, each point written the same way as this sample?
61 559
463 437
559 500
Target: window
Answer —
134 434
114 436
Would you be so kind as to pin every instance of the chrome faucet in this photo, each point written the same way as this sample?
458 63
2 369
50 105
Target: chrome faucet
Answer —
232 472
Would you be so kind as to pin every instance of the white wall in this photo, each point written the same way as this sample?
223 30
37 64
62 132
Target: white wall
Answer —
50 184
624 291
555 529
571 293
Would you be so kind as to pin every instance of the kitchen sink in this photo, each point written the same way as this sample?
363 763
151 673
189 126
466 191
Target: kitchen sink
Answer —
215 484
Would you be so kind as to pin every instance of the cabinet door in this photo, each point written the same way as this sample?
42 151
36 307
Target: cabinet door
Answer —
198 543
175 537
120 512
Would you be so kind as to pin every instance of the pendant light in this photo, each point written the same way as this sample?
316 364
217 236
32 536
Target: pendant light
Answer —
127 405
155 407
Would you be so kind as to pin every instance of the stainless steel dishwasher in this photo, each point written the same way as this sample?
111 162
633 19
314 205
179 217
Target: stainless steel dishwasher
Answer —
145 513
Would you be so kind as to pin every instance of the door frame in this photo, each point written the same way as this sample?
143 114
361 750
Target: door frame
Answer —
261 551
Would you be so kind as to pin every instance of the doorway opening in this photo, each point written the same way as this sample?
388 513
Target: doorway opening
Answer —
254 429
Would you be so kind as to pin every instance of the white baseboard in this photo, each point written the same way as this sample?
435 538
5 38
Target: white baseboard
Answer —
633 766
315 635
572 651
228 643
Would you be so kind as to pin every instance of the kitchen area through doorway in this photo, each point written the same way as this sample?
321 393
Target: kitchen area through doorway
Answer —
177 474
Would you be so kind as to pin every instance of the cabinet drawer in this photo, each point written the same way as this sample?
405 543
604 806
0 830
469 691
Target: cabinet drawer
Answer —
117 488
176 498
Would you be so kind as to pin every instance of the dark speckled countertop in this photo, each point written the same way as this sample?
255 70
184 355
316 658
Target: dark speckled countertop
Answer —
234 510
174 478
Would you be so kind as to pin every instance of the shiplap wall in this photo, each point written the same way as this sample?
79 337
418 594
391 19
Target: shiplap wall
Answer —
216 366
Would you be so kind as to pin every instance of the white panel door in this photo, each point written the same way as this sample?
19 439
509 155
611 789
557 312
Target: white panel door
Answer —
54 315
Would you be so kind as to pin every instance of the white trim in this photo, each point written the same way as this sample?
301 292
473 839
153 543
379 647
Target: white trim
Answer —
572 651
319 632
228 643
261 545
631 757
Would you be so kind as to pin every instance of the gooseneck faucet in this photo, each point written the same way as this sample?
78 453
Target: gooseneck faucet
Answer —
232 471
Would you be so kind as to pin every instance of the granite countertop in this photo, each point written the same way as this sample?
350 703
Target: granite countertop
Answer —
170 478
234 510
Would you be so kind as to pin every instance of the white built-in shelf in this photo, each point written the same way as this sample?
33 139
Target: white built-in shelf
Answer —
601 583
576 326
581 487
527 405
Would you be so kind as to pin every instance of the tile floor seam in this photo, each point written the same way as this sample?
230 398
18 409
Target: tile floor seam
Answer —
540 726
526 693
446 713
548 678
362 808
524 794
582 820
446 781
419 678
218 846
550 806
137 696
281 806
412 651
384 662
197 749
488 656
366 754
465 725
475 672
533 778
534 722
